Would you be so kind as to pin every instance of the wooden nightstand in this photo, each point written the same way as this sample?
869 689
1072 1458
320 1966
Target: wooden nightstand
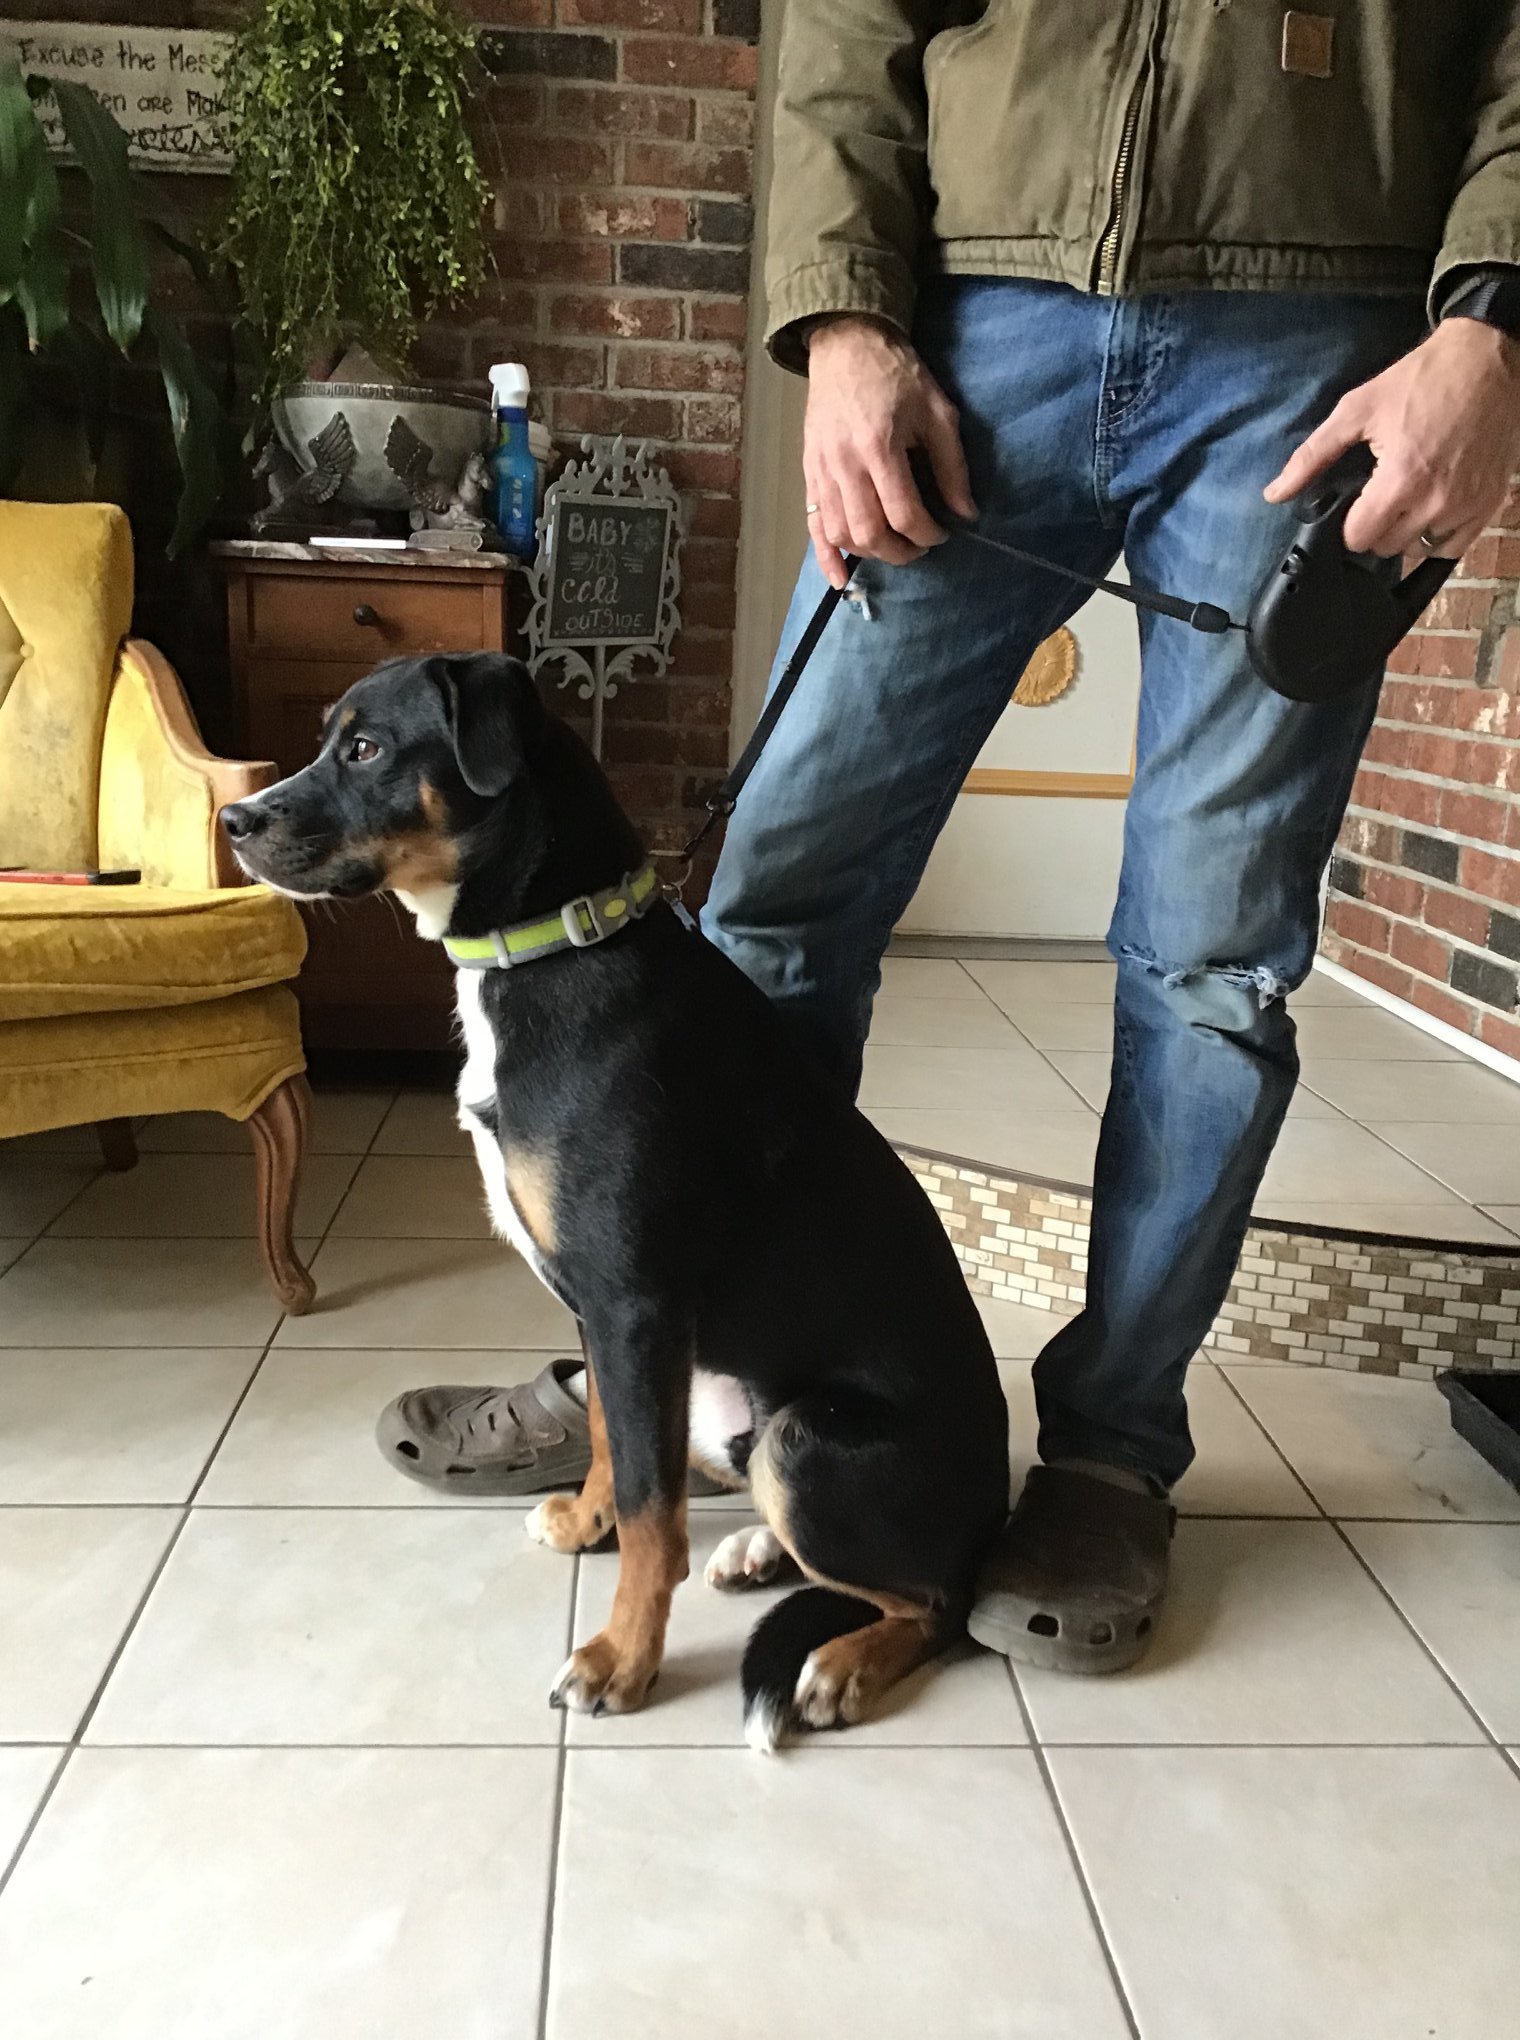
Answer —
303 625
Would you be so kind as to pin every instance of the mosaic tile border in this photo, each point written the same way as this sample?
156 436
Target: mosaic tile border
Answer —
1373 1306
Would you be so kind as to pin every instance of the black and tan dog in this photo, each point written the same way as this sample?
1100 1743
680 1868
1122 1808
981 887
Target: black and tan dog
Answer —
759 1281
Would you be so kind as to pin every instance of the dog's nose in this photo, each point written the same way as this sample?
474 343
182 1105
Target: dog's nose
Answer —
243 819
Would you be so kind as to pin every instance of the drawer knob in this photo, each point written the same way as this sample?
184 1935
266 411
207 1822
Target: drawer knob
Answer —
366 615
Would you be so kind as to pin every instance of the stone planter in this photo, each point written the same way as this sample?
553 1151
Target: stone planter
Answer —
453 427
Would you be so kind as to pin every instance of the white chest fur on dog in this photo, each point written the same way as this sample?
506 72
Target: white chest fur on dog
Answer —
720 1406
477 1080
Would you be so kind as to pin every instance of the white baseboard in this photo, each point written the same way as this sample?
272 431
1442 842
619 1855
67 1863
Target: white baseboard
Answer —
1427 1023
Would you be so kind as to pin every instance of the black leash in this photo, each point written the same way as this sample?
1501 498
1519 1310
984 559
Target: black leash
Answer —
1201 616
721 804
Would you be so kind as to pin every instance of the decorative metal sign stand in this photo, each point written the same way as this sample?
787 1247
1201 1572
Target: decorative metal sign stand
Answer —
608 572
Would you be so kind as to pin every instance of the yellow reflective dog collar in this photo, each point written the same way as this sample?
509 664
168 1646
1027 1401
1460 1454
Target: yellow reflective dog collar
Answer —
579 924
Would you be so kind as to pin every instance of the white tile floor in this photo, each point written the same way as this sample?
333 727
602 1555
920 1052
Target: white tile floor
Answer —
274 1750
1007 1063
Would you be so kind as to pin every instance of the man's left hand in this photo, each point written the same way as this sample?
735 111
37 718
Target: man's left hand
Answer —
1444 425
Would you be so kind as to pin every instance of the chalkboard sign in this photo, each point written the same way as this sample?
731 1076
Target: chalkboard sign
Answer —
162 85
607 572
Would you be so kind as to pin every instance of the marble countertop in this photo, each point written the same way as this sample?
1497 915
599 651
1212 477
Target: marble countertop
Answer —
360 555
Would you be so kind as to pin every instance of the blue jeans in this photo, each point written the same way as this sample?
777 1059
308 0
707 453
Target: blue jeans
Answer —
1093 427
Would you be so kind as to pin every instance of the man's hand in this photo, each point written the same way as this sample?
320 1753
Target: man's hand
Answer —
1444 424
870 402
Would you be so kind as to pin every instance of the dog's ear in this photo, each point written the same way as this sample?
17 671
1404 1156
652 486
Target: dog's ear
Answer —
493 712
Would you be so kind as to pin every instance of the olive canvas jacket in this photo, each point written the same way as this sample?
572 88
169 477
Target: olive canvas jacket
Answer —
1129 145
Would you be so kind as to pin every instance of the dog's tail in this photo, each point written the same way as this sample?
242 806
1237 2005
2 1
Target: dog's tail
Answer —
779 1647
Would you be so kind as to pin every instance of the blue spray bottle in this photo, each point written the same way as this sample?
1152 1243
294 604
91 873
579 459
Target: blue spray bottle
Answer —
512 462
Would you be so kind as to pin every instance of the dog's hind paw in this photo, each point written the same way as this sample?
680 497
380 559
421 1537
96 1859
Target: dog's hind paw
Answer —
752 1557
825 1699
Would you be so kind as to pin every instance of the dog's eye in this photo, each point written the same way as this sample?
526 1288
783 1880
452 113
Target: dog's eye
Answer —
361 750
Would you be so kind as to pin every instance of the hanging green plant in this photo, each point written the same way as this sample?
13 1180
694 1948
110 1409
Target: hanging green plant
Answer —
357 203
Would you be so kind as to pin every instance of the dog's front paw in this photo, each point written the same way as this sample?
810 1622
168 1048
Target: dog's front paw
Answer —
567 1523
597 1679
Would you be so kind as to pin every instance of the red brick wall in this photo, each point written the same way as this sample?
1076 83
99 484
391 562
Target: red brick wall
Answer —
618 136
1425 882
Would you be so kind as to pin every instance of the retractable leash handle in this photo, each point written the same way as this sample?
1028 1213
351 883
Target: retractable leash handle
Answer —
1325 621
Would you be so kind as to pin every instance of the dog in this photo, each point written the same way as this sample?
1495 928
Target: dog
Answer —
762 1288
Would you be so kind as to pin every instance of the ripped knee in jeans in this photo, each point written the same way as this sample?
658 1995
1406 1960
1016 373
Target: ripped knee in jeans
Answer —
1205 982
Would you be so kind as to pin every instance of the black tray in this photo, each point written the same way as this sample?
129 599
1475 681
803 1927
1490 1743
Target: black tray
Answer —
1485 1410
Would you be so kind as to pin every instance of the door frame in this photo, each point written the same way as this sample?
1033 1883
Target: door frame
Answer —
772 524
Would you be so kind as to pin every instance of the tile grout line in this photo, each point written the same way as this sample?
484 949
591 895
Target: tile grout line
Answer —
557 1823
8 1867
806 1751
1047 1779
1221 1369
497 1506
1477 1719
369 1149
1393 1149
279 1323
1093 1111
67 1205
82 1725
1337 1525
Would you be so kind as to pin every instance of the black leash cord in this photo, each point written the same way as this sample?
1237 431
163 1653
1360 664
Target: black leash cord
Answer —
1203 616
720 805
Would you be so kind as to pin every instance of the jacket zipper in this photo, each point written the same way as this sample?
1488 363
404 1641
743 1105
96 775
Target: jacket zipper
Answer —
1108 247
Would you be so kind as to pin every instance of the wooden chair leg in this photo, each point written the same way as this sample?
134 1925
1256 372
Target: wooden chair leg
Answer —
118 1143
279 1143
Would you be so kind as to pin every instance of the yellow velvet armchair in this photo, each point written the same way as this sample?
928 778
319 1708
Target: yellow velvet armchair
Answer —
171 995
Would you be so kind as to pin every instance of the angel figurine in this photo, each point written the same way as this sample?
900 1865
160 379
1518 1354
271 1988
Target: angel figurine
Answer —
294 491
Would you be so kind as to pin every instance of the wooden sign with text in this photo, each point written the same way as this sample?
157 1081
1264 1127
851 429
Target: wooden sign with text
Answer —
161 84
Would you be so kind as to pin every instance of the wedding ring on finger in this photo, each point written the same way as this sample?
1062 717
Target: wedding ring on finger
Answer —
811 509
1431 543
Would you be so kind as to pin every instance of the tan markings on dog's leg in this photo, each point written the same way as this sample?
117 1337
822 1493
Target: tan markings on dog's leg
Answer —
577 1522
613 1673
842 1680
530 1185
765 1482
768 1486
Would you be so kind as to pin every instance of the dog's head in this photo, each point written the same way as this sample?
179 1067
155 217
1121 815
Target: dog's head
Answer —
415 757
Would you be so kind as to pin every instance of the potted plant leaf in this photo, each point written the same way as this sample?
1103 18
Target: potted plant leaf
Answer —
64 349
357 208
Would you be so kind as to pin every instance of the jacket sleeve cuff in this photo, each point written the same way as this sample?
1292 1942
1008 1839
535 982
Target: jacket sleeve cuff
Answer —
874 284
1488 243
1488 292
